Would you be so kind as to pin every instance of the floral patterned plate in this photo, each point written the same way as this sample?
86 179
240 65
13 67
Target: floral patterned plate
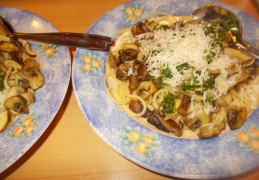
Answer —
56 67
228 155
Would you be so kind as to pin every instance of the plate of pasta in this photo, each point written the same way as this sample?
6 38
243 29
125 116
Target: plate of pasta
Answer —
33 83
171 94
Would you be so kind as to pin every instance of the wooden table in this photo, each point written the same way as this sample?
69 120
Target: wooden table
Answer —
70 149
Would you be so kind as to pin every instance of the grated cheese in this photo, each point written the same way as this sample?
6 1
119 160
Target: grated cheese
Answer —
173 47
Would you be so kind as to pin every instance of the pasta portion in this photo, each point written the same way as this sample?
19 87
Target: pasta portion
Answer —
179 77
20 77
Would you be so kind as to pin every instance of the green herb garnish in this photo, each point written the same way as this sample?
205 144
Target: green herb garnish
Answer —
168 103
180 68
210 98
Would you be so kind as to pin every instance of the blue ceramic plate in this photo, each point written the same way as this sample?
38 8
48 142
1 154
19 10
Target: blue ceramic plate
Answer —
56 67
230 154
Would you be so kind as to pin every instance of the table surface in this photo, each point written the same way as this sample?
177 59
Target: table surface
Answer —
70 149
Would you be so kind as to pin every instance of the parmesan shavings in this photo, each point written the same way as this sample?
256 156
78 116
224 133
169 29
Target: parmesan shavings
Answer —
168 49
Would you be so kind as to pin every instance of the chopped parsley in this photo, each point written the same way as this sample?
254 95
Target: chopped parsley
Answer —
187 86
168 103
180 68
209 82
165 73
159 82
210 57
210 98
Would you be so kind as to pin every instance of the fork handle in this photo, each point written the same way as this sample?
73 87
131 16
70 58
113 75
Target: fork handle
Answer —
89 41
248 49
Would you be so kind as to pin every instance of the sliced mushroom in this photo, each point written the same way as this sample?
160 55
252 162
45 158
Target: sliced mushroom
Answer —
19 81
151 25
204 118
29 96
236 117
154 120
238 78
122 71
26 93
146 88
31 63
142 71
199 120
240 55
139 28
140 57
17 104
8 47
132 46
133 83
129 52
113 61
232 70
172 126
33 76
29 50
135 106
17 57
148 113
193 123
15 90
211 130
183 107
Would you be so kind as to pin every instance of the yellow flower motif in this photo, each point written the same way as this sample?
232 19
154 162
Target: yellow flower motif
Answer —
133 136
254 144
148 140
17 131
249 139
44 46
132 17
86 67
29 128
128 10
96 63
243 137
254 132
26 120
87 59
141 148
142 144
138 12
50 51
